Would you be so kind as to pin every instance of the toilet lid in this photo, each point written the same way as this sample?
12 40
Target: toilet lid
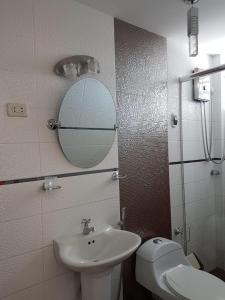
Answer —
193 284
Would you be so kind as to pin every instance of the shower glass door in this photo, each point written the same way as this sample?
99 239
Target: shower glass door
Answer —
202 171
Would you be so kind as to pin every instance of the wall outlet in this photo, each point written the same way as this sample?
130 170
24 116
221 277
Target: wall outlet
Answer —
16 110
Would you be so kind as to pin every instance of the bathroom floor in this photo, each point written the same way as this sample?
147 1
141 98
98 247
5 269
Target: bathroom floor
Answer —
218 273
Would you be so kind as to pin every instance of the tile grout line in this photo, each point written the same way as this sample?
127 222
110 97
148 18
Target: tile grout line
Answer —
113 198
43 244
61 175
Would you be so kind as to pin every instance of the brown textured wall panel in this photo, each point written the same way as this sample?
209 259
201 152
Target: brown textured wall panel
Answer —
141 77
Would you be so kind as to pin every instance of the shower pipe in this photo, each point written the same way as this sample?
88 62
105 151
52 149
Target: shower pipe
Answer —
207 138
203 73
182 80
182 171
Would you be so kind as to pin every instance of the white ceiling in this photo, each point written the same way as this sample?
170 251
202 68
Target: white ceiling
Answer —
168 18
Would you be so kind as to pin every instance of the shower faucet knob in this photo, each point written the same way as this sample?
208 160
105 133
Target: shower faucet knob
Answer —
178 230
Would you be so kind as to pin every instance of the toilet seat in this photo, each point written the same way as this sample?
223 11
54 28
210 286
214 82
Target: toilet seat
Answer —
192 284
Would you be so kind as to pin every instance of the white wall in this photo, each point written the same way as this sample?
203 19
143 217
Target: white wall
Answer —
34 36
199 185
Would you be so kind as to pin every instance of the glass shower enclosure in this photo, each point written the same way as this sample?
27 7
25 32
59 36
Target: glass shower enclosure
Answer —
202 166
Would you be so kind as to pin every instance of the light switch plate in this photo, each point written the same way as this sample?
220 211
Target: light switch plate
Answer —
16 110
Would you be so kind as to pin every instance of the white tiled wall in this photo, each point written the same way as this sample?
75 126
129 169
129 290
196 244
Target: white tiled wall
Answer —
198 184
34 36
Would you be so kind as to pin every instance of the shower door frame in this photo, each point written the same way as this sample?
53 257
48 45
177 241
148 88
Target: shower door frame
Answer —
183 79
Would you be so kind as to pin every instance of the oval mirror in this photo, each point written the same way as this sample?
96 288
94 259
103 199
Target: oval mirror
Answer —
87 119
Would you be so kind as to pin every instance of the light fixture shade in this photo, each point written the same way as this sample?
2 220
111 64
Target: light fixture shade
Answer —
74 66
193 45
192 30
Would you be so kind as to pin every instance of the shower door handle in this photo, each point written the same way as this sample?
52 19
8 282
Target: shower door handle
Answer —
188 233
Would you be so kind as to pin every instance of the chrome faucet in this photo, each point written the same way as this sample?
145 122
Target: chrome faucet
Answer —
86 228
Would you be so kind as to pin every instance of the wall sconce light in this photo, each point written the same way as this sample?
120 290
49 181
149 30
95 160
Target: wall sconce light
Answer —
75 66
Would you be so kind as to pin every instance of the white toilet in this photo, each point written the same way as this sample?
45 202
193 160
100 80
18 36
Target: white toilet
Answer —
162 268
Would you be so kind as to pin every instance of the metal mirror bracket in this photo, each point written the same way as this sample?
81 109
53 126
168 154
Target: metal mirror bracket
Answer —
75 66
53 124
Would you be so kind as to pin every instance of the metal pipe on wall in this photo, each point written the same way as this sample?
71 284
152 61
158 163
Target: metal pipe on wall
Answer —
202 73
182 171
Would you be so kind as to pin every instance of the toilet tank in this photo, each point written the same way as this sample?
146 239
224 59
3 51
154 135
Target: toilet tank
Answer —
155 257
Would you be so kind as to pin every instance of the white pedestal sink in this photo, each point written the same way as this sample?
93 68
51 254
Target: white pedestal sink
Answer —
96 286
95 255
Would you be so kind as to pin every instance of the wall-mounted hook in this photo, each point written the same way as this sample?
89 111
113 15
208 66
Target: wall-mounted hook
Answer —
49 185
117 176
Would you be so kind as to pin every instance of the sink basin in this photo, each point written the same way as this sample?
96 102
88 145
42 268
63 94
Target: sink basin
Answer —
98 251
